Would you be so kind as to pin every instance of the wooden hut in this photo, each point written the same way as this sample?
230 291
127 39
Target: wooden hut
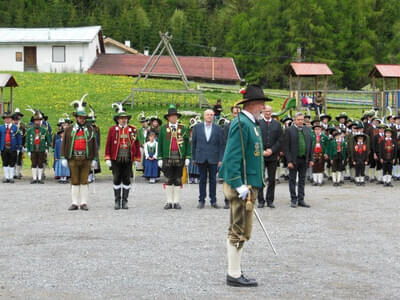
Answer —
300 70
6 81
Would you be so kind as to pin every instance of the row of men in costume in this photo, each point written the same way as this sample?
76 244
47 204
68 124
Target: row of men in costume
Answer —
36 140
16 137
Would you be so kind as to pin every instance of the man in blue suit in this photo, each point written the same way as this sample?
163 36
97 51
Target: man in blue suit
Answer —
207 153
10 145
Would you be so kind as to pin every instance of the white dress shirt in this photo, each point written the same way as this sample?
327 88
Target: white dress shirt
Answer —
208 130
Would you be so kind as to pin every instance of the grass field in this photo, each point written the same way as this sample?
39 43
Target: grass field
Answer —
52 93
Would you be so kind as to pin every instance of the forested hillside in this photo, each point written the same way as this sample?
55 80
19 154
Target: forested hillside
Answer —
262 36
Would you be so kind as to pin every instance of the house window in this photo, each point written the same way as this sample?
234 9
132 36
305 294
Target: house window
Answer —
58 53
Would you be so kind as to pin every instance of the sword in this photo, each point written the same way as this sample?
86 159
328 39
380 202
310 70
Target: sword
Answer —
265 230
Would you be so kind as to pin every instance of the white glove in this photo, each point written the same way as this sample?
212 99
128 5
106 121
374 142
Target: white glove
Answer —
243 191
187 162
137 164
64 162
24 149
108 163
160 163
29 154
47 151
18 152
94 164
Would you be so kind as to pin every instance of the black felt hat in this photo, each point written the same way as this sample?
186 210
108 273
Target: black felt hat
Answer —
252 93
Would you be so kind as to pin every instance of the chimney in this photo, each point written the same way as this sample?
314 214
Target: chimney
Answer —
146 51
128 43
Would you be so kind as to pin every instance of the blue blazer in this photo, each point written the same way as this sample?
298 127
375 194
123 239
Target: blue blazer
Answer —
211 151
16 138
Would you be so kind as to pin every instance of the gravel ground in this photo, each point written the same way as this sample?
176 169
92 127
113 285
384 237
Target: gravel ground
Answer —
345 247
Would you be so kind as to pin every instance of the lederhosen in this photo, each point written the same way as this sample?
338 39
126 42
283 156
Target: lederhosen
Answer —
122 166
173 165
319 159
37 157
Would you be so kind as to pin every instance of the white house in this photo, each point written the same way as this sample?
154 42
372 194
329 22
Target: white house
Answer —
114 47
50 49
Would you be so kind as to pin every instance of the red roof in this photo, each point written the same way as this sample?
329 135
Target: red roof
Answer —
309 69
391 71
193 66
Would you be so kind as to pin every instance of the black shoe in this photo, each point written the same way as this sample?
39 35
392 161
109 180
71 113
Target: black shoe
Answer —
40 181
293 205
261 205
226 206
33 181
389 184
73 207
11 181
315 183
124 204
117 204
5 181
271 205
201 205
168 206
177 206
84 207
215 205
242 281
125 194
303 204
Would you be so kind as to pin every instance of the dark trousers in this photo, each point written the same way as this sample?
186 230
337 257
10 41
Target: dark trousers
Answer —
299 168
270 194
208 170
121 172
387 167
360 168
173 175
9 158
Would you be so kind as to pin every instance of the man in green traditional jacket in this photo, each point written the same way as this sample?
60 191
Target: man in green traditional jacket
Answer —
38 142
174 153
243 172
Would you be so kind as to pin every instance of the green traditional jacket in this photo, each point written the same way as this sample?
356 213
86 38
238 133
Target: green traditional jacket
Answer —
324 142
332 150
232 170
44 136
164 142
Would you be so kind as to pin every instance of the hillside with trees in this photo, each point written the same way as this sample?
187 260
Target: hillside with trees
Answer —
262 36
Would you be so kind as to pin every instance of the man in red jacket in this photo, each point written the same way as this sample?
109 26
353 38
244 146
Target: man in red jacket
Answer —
122 148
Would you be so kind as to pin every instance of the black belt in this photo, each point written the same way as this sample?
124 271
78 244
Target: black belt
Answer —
301 157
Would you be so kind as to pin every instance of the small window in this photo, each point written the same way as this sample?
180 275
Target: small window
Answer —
58 53
18 56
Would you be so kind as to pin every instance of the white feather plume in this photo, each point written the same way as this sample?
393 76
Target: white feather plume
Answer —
80 106
119 106
30 109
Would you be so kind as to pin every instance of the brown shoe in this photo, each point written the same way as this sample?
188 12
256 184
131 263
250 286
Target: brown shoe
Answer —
73 207
84 207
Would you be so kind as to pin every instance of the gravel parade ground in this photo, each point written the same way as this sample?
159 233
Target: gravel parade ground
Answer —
346 246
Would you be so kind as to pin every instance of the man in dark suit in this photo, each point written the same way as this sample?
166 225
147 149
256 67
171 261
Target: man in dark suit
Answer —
298 150
207 153
272 140
234 111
